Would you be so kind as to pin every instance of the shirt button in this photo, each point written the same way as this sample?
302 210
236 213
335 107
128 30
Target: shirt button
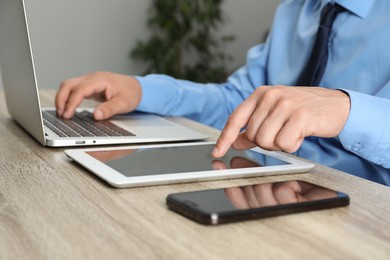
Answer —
356 147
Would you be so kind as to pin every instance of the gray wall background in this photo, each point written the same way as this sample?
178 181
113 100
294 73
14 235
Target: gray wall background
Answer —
74 37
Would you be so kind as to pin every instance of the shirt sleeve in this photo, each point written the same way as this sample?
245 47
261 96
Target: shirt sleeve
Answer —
210 103
367 131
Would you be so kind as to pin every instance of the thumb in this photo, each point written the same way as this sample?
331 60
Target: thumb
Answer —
108 109
242 142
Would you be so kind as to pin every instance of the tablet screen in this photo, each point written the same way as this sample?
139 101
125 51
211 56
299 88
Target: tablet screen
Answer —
166 160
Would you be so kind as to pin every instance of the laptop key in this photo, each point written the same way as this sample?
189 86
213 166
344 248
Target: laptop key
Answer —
82 125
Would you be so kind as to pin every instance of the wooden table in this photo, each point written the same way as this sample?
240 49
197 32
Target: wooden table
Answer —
50 208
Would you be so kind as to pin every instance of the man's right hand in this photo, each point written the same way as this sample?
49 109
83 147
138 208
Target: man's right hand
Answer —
118 94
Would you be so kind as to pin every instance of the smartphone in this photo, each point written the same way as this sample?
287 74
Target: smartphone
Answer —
232 204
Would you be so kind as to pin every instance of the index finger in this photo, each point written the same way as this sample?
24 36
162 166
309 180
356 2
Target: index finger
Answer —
63 94
237 120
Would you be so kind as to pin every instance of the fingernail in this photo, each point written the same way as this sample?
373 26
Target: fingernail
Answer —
60 112
66 114
215 152
98 115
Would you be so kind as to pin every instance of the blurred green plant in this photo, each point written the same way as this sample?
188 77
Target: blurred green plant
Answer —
185 42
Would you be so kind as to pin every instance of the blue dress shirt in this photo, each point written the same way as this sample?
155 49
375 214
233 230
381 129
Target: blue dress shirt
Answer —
359 63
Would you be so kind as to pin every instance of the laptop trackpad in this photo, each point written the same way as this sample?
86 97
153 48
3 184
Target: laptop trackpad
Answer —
141 120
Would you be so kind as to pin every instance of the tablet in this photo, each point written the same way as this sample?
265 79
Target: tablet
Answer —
133 166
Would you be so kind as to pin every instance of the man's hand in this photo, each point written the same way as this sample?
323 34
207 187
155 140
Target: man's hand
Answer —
280 117
118 94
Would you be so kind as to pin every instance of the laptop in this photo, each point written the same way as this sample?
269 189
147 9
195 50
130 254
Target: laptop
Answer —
22 98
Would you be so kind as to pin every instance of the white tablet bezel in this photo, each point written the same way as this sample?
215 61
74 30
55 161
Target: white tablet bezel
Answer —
119 180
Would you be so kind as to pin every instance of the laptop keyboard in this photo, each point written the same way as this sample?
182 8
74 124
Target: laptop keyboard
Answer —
81 125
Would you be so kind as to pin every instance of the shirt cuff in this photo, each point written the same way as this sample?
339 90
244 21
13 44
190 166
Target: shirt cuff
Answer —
366 132
156 92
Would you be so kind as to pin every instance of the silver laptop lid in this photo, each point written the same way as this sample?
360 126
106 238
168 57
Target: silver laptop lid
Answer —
17 67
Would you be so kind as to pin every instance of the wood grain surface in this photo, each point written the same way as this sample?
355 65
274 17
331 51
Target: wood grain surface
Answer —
51 208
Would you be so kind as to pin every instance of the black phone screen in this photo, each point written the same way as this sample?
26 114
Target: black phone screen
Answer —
254 201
